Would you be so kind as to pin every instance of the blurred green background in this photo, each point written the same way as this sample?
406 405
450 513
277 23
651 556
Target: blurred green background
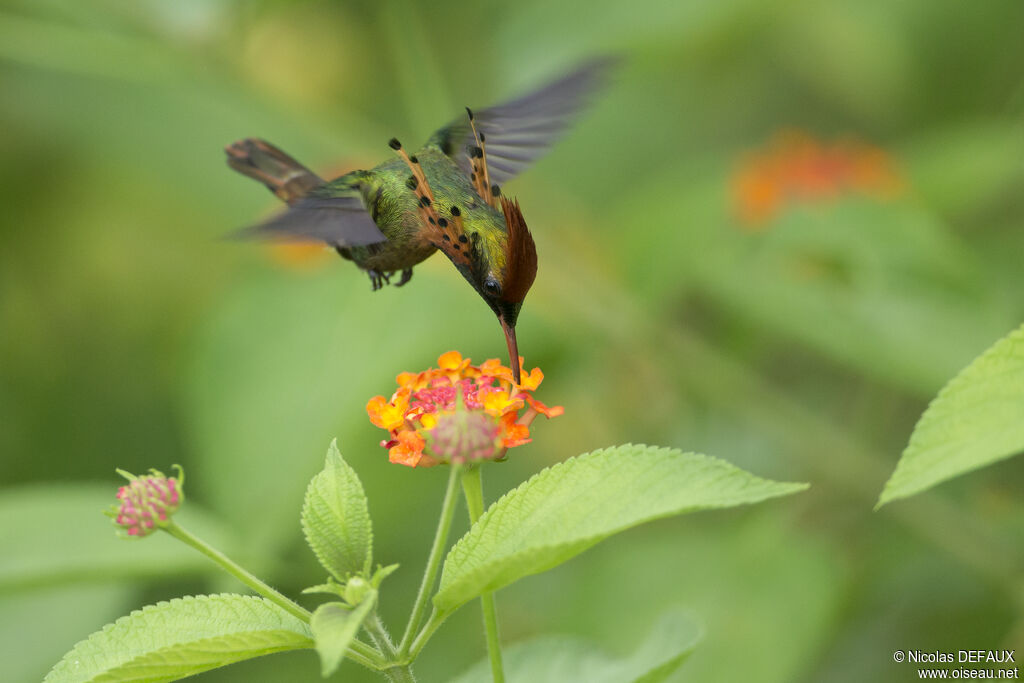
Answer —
799 337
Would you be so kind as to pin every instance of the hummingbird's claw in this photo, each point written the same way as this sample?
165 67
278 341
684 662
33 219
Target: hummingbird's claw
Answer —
378 279
406 276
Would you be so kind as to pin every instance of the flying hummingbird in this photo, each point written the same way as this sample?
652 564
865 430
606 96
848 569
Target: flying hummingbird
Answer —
447 196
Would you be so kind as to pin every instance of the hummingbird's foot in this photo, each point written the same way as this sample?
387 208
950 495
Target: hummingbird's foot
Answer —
406 276
378 279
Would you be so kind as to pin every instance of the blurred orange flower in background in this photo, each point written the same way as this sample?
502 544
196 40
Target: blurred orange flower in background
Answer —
796 167
458 412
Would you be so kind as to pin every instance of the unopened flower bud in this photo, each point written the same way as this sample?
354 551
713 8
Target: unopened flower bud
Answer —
148 501
465 436
355 590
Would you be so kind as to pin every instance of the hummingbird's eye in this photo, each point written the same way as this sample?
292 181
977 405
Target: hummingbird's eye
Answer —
492 287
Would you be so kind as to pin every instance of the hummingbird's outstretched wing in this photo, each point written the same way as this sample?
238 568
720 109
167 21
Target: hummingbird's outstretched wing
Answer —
327 212
520 131
339 221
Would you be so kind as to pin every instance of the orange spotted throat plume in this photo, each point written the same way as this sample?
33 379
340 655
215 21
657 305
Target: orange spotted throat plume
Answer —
446 196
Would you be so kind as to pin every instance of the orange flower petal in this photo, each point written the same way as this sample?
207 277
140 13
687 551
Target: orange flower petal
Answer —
515 434
494 368
383 414
498 402
553 411
532 381
409 450
450 361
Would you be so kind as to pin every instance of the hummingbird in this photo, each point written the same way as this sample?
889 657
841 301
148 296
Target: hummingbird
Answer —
446 196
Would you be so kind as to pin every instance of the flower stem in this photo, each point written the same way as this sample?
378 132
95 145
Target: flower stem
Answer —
435 621
395 672
433 563
239 572
472 487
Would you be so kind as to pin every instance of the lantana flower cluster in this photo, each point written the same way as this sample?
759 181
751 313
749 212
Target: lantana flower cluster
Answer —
458 412
147 502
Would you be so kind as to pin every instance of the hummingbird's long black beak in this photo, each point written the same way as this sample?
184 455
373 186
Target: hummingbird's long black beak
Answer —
513 348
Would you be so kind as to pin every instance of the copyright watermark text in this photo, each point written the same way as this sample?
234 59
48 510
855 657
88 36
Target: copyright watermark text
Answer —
988 664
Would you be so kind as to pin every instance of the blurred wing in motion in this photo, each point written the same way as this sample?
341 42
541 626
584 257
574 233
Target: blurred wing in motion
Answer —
333 213
518 132
338 221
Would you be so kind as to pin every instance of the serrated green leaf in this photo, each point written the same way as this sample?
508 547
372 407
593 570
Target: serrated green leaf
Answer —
976 420
172 640
563 658
336 520
565 509
334 627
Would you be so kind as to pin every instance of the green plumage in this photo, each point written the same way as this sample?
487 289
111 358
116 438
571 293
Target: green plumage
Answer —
394 208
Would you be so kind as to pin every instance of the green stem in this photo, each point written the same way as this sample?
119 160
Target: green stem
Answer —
493 643
444 525
374 664
435 621
474 492
239 572
398 673
359 652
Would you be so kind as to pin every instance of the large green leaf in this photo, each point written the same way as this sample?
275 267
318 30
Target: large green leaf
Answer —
565 658
336 520
565 509
334 627
977 419
172 640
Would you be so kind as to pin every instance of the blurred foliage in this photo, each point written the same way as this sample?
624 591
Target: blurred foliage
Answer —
800 347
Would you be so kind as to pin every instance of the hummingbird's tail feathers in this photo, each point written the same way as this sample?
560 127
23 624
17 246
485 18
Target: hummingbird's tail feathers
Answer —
341 221
520 131
283 175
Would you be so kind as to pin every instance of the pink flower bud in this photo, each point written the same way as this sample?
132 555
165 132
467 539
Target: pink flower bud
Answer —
148 501
465 436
